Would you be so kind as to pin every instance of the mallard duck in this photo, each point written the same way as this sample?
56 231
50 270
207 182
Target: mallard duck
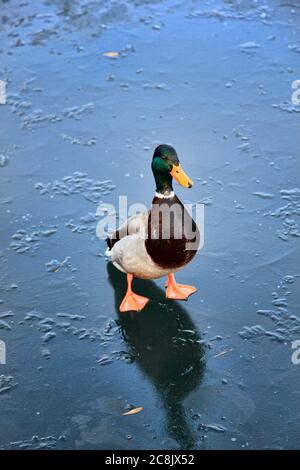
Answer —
161 241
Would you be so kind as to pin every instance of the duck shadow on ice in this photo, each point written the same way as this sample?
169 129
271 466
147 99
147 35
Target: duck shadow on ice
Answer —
165 344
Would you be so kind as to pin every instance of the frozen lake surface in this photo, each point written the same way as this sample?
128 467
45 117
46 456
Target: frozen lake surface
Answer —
214 79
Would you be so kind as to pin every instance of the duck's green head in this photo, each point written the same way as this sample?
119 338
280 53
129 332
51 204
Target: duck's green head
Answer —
165 167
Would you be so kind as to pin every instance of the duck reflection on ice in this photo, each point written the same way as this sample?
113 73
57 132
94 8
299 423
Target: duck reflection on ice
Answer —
164 341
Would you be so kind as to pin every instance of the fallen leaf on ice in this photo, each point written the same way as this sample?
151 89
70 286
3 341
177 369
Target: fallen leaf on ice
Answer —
111 55
133 411
223 352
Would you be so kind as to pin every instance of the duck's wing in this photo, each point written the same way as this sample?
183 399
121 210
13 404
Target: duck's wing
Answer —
137 224
127 250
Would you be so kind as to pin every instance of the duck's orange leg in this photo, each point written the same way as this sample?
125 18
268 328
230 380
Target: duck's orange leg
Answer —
132 301
178 291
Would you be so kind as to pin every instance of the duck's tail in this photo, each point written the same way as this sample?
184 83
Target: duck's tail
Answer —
109 243
108 252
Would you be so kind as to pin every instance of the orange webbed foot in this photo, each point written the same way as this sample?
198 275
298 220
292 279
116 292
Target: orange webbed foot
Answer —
133 302
178 291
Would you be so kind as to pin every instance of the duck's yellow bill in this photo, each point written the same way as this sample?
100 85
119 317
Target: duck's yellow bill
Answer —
180 176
